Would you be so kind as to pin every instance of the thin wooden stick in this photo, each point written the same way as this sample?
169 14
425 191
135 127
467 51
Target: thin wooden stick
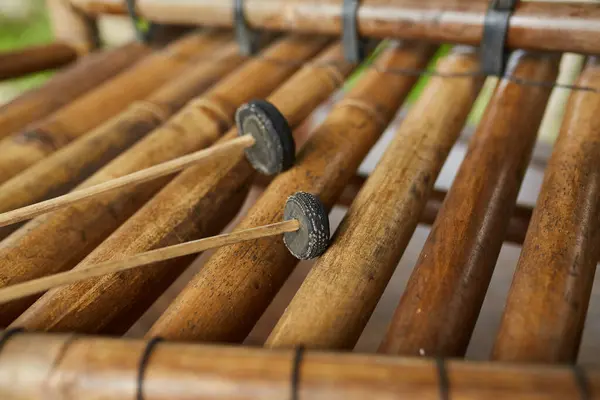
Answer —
136 178
166 253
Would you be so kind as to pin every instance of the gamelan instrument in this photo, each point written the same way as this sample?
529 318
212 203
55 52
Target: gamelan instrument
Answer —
165 204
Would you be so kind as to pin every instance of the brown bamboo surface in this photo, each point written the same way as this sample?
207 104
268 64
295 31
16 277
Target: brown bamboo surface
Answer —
65 86
440 305
198 203
517 225
86 225
16 63
23 149
34 366
548 299
61 171
237 284
335 301
550 26
72 26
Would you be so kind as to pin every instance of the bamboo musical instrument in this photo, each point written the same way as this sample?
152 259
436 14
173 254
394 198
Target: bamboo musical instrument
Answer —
66 85
198 203
204 371
25 148
196 126
440 322
59 172
540 25
305 223
35 59
326 162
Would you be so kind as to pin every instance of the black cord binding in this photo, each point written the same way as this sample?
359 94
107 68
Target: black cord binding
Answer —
296 364
143 35
7 334
585 392
493 45
354 46
443 379
247 38
150 346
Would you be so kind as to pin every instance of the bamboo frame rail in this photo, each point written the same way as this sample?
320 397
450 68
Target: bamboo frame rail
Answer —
14 64
549 296
441 303
65 86
200 202
335 301
33 366
61 171
86 225
23 149
72 26
237 283
548 26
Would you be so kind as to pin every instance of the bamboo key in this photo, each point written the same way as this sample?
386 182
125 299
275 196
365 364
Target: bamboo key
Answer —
270 150
306 235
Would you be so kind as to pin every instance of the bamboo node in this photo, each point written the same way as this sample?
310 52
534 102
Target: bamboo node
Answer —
369 109
212 106
154 109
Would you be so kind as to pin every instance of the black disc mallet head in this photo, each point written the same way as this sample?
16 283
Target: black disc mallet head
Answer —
274 150
312 239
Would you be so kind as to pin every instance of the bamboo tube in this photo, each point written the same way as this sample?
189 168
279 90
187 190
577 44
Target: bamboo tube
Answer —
34 366
72 26
549 26
238 283
23 149
14 64
198 203
339 294
67 85
198 125
440 305
62 170
548 299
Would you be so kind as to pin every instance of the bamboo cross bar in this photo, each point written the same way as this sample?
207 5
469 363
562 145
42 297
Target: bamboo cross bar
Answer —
335 301
143 259
59 172
25 148
543 25
549 296
136 178
200 202
17 63
198 125
66 85
439 308
66 366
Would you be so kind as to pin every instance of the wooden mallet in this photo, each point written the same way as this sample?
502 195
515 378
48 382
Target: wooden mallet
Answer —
264 136
305 232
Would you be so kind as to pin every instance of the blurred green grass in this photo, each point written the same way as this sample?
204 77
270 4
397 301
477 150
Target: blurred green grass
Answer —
17 34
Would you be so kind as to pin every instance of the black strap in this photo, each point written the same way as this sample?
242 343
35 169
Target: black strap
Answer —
443 379
7 334
246 38
150 346
493 45
144 34
585 392
354 46
296 364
